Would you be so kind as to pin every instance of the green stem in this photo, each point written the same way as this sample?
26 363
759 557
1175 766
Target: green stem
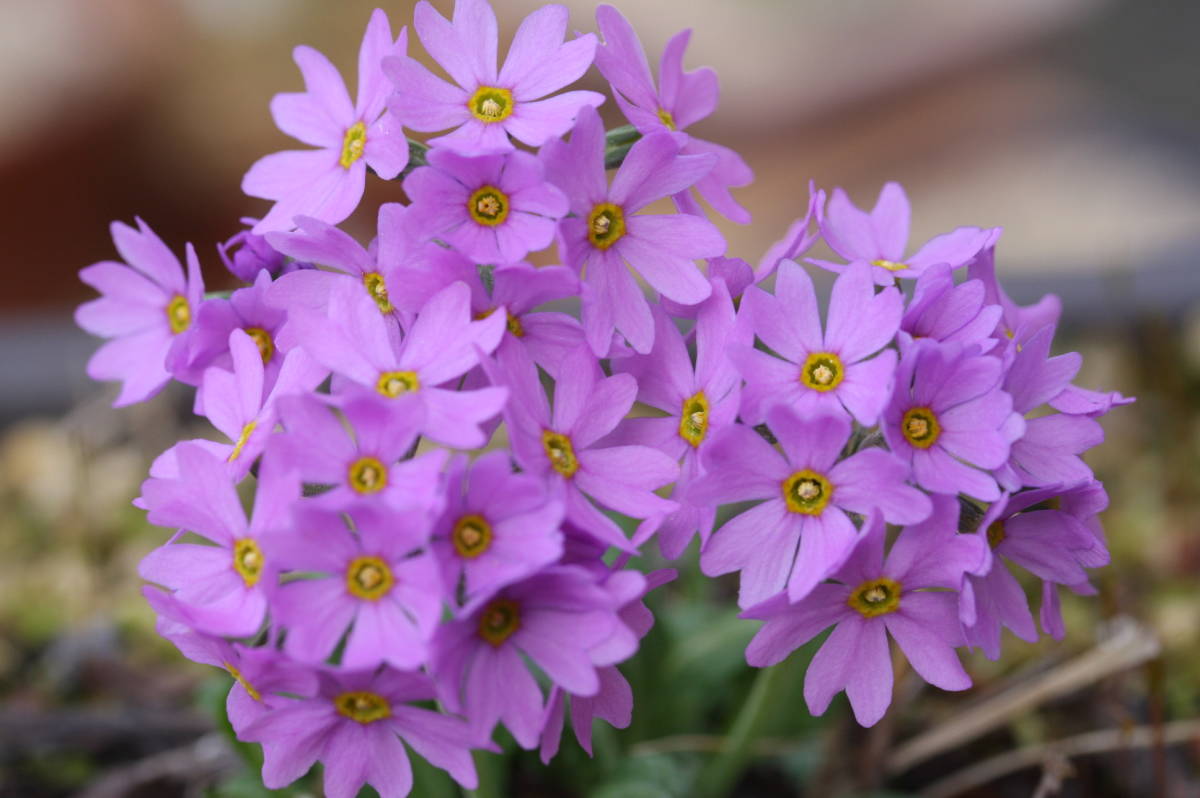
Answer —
493 776
722 772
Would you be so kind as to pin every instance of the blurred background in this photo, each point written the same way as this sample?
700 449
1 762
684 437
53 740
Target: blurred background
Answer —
1075 124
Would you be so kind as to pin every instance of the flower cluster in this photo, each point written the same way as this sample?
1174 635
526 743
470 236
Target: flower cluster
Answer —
408 575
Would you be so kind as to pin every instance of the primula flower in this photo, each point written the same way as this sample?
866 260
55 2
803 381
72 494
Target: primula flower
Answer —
328 183
547 336
831 372
486 106
378 583
253 255
145 309
355 342
796 242
683 99
880 237
560 618
949 418
492 208
223 587
1053 544
1016 323
605 234
943 311
566 449
875 597
357 725
800 534
699 401
497 527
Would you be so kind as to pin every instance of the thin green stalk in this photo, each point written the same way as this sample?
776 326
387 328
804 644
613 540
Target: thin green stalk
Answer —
722 772
493 776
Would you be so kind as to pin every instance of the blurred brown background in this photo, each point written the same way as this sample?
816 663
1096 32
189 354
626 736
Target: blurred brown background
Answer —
1075 124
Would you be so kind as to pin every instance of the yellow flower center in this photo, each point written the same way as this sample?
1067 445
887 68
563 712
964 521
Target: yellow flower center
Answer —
920 427
240 679
996 533
368 475
488 206
500 620
363 707
561 453
693 420
605 225
377 288
262 339
890 265
665 117
247 560
822 371
369 578
247 431
394 383
807 492
876 597
491 104
472 536
352 144
179 314
513 323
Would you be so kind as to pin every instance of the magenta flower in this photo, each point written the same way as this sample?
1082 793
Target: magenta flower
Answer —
327 183
354 341
492 208
949 418
819 373
486 106
880 237
498 527
223 587
875 597
377 582
145 309
565 451
683 99
699 402
800 534
605 234
358 725
943 311
559 618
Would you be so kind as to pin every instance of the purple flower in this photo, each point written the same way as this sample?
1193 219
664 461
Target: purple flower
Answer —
943 311
880 237
327 183
949 418
492 208
563 449
699 402
796 242
800 534
486 106
374 582
357 725
144 311
560 618
253 255
1049 532
875 598
831 373
547 336
683 99
223 587
361 471
605 234
498 527
1016 323
262 677
356 343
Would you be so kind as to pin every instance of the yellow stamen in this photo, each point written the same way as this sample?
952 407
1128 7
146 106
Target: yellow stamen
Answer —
353 144
262 339
363 707
491 104
996 533
807 492
369 578
822 371
693 420
488 206
394 383
876 597
472 536
920 427
179 314
891 265
377 288
499 621
606 225
561 453
666 118
247 560
247 431
240 679
368 475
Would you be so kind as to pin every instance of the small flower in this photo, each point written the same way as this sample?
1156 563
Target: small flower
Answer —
796 242
873 598
328 183
253 255
943 311
800 534
486 106
492 208
145 309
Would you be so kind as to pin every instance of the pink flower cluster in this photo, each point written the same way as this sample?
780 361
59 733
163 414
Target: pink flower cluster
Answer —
450 474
